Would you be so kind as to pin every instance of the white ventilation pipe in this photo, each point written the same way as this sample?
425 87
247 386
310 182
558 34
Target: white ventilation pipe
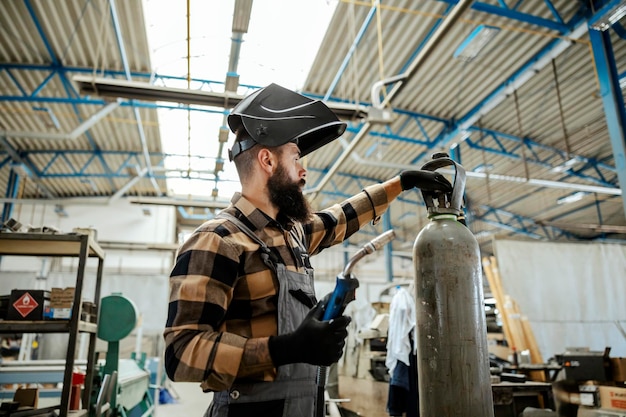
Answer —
428 48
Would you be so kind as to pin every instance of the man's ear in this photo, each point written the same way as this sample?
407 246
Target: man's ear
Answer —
267 160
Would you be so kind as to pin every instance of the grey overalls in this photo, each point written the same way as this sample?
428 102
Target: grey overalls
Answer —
295 384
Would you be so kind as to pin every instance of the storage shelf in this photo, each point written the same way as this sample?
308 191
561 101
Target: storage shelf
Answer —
81 246
44 326
42 244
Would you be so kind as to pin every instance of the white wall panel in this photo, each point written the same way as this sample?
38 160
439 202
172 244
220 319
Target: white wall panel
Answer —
572 293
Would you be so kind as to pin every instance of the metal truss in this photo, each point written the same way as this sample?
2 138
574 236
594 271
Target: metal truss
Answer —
500 143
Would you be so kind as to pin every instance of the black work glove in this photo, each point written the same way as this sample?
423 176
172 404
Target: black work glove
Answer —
424 180
315 341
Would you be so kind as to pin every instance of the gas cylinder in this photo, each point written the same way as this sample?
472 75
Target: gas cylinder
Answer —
452 355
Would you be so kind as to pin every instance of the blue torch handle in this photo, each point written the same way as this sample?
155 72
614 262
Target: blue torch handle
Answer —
344 293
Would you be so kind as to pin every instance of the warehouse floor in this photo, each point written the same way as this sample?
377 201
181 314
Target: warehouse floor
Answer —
190 401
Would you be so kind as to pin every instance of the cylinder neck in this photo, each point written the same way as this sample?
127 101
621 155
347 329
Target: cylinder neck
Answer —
442 216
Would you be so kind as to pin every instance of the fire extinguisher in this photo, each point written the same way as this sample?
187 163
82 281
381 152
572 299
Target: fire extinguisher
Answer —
452 353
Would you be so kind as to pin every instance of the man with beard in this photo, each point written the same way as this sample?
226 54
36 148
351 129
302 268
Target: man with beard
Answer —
243 317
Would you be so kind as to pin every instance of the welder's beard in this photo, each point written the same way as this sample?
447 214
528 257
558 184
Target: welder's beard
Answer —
287 196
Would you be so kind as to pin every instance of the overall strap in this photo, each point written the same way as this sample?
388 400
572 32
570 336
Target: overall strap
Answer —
266 254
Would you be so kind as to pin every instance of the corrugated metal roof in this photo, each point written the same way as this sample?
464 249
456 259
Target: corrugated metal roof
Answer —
525 106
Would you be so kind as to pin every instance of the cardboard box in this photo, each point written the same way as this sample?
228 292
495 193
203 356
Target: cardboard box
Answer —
26 397
28 304
51 313
61 301
62 297
618 367
598 412
612 398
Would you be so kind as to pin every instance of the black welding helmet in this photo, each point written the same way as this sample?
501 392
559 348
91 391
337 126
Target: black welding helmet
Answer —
274 115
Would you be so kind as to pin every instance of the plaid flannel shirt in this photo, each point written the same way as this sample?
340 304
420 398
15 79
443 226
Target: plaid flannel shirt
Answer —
222 295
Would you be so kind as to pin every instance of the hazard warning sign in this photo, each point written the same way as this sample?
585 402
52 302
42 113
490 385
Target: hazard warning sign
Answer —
25 304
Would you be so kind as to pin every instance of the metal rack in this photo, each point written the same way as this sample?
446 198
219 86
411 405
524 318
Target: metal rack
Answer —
81 246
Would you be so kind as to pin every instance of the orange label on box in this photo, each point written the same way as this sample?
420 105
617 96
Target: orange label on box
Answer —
618 400
25 304
621 404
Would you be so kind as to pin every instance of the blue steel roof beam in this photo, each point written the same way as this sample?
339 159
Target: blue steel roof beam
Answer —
11 192
140 130
426 50
512 229
100 102
82 170
495 138
67 161
57 100
67 85
620 30
599 173
422 50
17 83
127 162
42 35
5 161
579 174
582 208
553 10
612 100
55 69
114 74
399 138
43 84
346 59
504 11
92 156
397 135
30 169
598 211
50 162
571 173
590 163
523 74
554 229
527 226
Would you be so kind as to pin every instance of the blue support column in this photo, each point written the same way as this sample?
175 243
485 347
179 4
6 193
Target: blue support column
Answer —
11 192
612 100
388 260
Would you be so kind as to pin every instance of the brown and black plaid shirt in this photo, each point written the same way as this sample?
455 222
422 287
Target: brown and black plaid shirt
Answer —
222 294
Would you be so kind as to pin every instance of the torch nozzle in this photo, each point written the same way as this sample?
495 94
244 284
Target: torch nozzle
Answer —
370 247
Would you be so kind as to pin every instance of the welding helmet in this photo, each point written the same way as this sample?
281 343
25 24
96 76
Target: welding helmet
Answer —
274 115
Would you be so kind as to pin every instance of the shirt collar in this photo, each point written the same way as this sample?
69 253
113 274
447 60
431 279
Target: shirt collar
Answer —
257 217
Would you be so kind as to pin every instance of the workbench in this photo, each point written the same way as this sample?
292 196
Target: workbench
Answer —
511 398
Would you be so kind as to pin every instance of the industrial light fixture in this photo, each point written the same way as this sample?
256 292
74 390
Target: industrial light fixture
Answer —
572 198
475 42
483 168
610 17
109 87
133 90
570 163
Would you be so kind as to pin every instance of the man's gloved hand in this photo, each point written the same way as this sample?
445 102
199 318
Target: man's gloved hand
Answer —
424 180
315 342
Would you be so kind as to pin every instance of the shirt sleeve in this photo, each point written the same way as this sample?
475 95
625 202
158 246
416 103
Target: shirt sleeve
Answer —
201 289
340 221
